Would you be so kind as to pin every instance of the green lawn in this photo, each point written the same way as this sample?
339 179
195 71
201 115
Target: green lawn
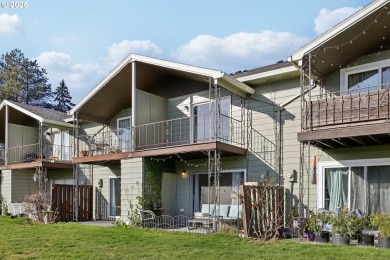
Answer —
72 240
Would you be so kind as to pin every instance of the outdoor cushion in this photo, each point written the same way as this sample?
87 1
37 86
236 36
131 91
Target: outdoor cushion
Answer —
205 209
224 210
235 210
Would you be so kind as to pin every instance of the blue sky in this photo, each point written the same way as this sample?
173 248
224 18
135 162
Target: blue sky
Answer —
81 41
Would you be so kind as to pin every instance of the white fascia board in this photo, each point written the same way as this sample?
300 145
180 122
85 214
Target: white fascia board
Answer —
339 28
268 74
178 66
57 123
24 111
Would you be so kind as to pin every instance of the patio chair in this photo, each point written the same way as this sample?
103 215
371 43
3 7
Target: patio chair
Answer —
148 218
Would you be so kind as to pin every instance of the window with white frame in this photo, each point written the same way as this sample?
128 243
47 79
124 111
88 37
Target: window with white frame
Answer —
359 185
203 115
115 196
124 133
367 77
60 145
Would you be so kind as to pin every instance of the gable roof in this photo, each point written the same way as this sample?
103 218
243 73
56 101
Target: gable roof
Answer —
221 78
357 35
43 115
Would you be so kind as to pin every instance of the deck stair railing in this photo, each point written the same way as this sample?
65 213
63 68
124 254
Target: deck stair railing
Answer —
264 148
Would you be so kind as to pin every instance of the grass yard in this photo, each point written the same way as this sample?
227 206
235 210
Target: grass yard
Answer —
20 240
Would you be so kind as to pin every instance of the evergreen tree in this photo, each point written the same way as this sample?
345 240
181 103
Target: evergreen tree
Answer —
62 98
23 81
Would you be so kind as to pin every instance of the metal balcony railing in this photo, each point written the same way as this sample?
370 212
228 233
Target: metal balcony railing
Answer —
351 106
168 133
31 152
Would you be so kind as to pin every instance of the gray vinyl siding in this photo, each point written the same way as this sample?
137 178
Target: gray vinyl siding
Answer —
132 172
20 135
22 184
101 194
5 185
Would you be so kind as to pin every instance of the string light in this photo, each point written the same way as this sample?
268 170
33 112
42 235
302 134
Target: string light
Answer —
352 40
181 159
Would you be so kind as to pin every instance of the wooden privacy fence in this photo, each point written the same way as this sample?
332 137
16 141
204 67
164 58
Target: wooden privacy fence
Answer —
63 202
263 209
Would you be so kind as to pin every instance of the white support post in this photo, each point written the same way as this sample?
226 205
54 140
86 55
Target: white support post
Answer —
6 135
133 103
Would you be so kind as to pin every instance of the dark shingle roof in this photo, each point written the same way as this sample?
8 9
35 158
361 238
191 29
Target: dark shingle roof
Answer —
45 113
278 65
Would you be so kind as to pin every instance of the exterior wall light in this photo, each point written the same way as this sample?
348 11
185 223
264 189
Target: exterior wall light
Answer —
184 174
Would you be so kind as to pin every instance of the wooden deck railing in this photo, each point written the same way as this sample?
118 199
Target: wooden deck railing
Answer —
350 108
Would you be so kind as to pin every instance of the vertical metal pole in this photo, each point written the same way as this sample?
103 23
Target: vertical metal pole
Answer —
210 169
308 144
40 142
76 167
217 159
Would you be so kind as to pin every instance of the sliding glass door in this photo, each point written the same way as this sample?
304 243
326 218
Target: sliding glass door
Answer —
366 188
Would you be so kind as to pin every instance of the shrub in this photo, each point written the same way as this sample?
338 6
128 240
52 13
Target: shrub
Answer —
381 222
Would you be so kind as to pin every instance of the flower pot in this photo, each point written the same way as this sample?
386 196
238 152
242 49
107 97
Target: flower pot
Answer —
310 236
84 152
365 240
383 242
338 239
323 237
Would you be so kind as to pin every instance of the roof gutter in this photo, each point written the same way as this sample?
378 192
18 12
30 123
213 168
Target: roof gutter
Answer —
56 123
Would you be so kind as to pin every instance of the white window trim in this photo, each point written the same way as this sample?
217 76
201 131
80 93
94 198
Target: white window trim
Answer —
123 118
193 105
339 164
361 68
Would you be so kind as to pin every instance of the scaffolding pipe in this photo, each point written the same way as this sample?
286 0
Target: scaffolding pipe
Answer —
76 168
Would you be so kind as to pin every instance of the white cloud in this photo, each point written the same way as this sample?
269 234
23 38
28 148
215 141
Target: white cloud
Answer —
329 18
79 77
118 51
239 51
10 24
82 77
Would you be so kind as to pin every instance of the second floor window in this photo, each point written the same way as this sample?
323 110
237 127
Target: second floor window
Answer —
367 77
206 123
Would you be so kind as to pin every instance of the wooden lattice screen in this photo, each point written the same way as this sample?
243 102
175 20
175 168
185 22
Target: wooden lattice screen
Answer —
263 209
63 198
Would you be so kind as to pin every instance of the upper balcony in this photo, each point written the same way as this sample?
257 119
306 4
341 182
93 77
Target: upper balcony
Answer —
187 135
35 155
347 119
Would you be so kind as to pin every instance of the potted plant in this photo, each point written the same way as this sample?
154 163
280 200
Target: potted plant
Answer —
365 234
344 226
317 224
381 222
